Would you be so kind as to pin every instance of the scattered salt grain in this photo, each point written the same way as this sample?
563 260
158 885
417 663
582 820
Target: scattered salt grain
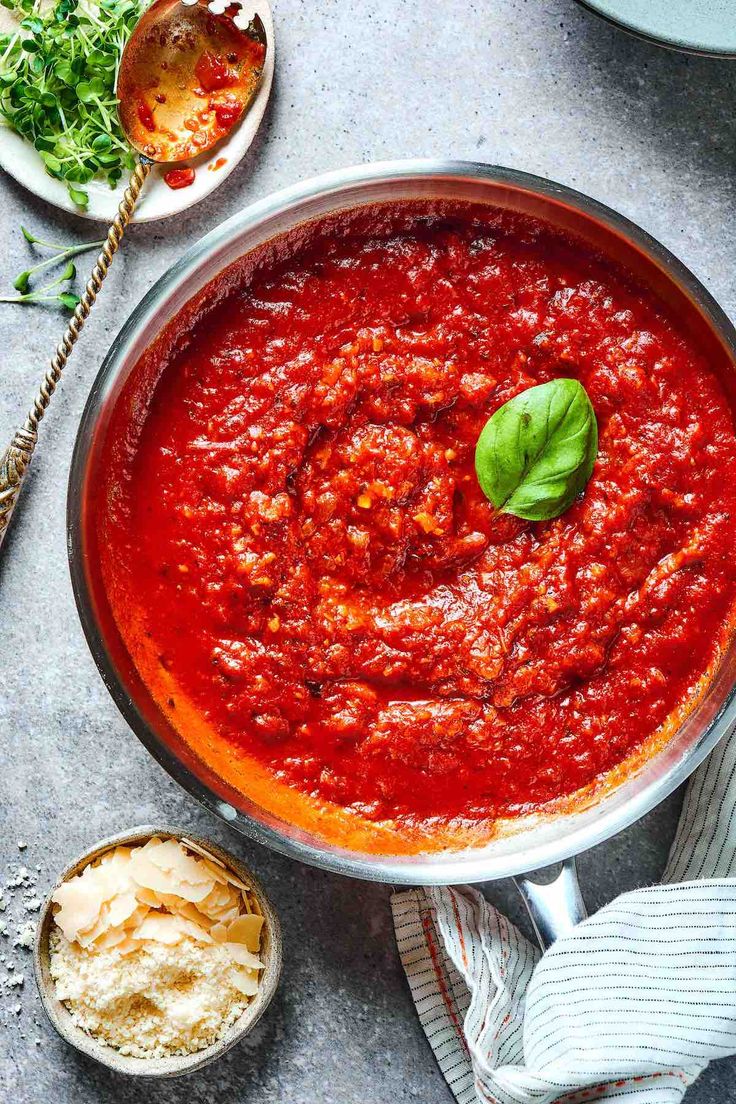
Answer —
25 935
18 898
21 876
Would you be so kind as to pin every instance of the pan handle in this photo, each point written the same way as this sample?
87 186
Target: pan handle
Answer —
556 906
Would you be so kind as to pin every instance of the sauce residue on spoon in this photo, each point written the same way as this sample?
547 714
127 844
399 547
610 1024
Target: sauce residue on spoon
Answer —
186 84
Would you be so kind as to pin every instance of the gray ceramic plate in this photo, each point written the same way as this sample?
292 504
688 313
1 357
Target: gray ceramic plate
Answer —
697 26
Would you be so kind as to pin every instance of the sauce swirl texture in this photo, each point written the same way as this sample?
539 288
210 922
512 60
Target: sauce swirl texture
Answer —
297 520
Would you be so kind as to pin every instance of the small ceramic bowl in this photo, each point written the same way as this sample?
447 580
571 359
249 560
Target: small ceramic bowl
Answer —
271 954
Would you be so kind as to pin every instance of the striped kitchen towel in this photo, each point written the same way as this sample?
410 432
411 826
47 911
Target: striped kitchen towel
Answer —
630 1006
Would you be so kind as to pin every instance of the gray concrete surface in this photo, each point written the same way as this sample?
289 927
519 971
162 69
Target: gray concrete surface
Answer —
537 84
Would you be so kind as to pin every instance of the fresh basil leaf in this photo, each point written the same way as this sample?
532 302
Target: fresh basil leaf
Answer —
536 452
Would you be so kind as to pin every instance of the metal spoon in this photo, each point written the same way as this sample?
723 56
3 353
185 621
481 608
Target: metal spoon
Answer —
187 74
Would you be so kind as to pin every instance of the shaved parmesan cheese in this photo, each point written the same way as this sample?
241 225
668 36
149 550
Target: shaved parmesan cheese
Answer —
218 870
122 906
245 981
148 896
81 901
128 945
187 909
171 856
226 875
150 875
199 850
135 918
112 938
240 954
219 932
86 938
196 931
222 903
161 927
247 930
170 895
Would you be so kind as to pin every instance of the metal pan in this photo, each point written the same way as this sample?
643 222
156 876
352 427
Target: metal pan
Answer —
538 841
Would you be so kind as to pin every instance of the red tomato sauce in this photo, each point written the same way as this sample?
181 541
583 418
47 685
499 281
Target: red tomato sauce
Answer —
297 520
145 115
213 72
179 178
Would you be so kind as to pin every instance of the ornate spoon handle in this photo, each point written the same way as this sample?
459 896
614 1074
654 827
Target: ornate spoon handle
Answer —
16 459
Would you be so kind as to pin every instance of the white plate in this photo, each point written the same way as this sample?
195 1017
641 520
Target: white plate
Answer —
158 201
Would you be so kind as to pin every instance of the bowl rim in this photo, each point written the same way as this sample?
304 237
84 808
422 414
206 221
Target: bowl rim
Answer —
675 43
421 869
174 1065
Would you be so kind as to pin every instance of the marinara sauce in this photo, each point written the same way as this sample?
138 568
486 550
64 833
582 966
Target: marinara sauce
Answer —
295 518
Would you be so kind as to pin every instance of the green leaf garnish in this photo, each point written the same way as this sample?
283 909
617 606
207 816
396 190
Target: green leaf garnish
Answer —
80 197
49 293
536 452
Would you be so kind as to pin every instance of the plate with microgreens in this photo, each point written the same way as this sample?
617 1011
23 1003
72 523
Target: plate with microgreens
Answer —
59 130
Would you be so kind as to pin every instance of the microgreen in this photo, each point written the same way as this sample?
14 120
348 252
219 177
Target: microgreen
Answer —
57 86
49 293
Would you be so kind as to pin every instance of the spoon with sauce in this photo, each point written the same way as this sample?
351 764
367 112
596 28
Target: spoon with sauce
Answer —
187 74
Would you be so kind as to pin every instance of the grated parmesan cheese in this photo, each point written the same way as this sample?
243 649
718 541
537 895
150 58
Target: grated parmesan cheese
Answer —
157 1001
154 949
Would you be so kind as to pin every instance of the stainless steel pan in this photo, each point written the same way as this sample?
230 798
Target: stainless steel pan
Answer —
539 842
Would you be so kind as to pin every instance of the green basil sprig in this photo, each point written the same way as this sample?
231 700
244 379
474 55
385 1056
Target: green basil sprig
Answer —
536 453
